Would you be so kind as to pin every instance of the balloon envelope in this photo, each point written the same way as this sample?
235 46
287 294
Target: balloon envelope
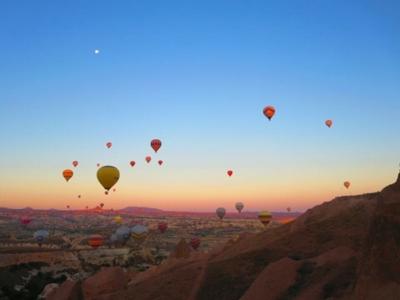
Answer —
95 240
67 173
239 206
108 176
109 145
40 236
139 232
195 243
162 226
328 123
132 163
148 159
265 217
160 162
269 112
123 233
75 163
229 172
220 212
155 144
118 219
347 184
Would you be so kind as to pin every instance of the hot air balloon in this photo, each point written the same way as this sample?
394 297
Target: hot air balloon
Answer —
79 196
346 184
328 123
75 163
109 145
114 190
132 163
68 206
229 172
108 176
265 217
269 112
25 220
220 212
139 232
288 209
160 162
106 192
162 226
41 236
155 144
118 219
95 241
101 205
148 159
98 165
195 243
239 206
67 173
123 233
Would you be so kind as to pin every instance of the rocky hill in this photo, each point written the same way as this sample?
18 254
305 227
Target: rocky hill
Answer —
347 248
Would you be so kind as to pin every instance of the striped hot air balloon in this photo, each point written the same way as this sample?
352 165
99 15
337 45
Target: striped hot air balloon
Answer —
265 217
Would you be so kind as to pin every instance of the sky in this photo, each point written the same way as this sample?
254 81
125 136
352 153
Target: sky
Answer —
197 75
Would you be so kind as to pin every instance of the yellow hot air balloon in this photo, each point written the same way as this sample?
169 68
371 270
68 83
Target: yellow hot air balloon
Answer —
118 219
108 176
265 217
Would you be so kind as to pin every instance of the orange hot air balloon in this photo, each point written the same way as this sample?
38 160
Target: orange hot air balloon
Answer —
160 162
329 123
148 159
95 241
67 173
269 112
346 184
230 173
75 163
155 144
109 145
132 163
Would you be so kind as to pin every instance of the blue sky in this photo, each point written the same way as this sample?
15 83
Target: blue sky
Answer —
197 74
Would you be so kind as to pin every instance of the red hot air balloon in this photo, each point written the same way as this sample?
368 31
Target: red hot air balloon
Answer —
155 144
230 173
162 226
148 159
195 243
109 145
329 123
346 184
132 163
95 241
101 205
269 112
160 162
25 220
75 163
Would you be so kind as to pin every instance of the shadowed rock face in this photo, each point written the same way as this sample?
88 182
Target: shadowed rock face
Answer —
348 248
